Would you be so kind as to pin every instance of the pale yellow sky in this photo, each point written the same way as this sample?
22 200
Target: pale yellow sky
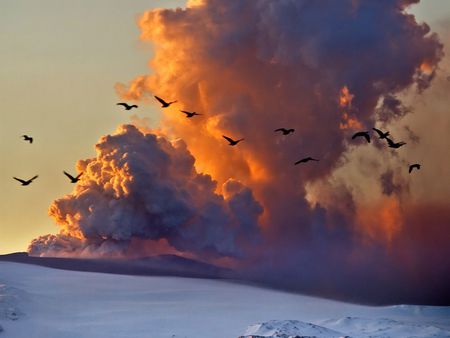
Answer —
59 63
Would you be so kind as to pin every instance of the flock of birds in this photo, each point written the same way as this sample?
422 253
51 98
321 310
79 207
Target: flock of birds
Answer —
73 179
232 142
391 144
285 131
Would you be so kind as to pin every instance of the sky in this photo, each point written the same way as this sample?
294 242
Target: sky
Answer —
168 184
60 61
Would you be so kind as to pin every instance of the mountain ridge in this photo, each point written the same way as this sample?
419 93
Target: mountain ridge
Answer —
160 265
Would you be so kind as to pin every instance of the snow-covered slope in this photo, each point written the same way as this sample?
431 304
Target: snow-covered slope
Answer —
383 327
345 327
288 329
9 299
41 302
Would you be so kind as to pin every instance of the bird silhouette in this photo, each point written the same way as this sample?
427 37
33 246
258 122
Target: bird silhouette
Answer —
414 166
27 138
393 144
306 159
381 134
285 131
189 114
364 134
231 141
127 106
25 182
164 104
73 179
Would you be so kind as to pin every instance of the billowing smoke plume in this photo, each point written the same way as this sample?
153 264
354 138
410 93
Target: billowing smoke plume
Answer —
343 226
141 185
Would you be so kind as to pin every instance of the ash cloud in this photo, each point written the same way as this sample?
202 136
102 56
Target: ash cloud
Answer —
141 185
391 109
251 67
393 183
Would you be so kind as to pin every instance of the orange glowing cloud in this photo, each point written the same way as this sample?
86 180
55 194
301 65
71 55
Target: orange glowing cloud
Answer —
193 3
426 68
250 88
135 90
345 97
381 220
349 122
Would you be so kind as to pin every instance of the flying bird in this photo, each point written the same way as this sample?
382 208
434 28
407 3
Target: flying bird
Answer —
393 144
285 131
306 159
414 166
27 138
127 106
190 114
73 179
231 141
381 134
25 182
364 134
164 104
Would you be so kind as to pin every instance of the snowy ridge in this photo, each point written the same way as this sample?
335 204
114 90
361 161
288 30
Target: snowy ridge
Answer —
289 329
345 327
384 328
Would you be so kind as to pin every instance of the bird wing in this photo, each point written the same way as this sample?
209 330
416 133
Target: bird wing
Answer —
228 139
412 166
18 179
389 141
160 100
279 129
379 132
356 135
186 112
361 133
68 175
79 175
33 178
122 104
